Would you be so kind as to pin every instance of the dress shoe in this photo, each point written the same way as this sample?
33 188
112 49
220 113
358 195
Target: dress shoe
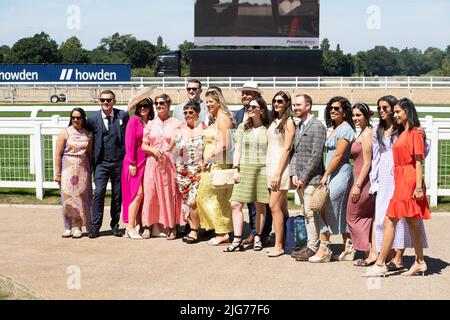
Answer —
305 255
116 232
94 234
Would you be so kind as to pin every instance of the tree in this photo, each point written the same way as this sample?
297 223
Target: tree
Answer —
446 66
5 54
38 49
360 63
160 46
139 53
434 57
116 42
72 51
184 48
381 62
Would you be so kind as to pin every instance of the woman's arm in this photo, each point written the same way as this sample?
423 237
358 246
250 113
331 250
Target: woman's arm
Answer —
223 141
367 158
284 160
418 192
60 144
91 148
341 147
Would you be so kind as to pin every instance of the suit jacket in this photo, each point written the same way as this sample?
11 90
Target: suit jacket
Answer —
95 124
307 152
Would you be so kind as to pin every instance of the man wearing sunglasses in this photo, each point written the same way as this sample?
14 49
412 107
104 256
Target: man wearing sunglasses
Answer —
250 90
193 91
108 127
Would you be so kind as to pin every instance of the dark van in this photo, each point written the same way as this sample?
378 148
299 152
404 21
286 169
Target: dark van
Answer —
168 64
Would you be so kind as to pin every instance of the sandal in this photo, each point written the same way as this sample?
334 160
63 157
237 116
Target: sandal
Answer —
391 266
215 242
172 235
77 234
235 245
362 263
191 240
375 271
257 244
67 233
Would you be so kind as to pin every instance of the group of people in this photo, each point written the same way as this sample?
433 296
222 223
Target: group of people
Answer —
161 168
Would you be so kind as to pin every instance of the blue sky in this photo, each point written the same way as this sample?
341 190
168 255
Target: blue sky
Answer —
396 23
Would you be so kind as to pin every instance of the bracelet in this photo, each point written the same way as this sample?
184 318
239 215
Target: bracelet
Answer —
358 185
419 189
57 174
238 168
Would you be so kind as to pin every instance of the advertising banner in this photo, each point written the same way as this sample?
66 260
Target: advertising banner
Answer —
11 73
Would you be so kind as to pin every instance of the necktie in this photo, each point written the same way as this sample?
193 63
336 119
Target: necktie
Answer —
301 128
109 122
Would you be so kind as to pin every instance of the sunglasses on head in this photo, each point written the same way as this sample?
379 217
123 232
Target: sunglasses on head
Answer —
108 100
192 89
384 108
188 112
333 108
160 103
279 101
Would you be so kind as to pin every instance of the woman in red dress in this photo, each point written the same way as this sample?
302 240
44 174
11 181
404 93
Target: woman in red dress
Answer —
409 200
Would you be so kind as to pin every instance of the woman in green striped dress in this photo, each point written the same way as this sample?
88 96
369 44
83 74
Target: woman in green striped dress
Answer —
249 161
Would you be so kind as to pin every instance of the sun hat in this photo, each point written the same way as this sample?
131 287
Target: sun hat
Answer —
251 86
138 97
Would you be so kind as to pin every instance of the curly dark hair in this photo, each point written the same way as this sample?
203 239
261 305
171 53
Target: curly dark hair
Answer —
346 108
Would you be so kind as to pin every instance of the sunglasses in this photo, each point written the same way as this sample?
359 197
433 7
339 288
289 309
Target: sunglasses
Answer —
102 100
333 108
192 89
160 103
280 101
190 112
76 118
253 107
384 108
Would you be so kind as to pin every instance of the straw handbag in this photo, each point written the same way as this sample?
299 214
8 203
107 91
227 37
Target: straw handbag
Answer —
319 198
222 179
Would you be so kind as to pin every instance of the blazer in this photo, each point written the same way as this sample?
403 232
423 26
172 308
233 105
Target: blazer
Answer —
307 152
95 124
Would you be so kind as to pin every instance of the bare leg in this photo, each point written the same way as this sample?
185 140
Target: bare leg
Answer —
388 239
133 211
278 205
238 218
416 236
260 216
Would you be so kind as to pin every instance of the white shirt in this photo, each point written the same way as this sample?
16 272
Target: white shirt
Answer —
105 119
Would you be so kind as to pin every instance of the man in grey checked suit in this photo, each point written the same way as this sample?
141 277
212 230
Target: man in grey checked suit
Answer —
307 168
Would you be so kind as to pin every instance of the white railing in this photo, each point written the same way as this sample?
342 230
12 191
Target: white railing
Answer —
27 146
237 82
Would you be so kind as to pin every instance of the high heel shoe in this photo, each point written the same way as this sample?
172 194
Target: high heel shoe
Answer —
235 245
326 257
375 271
349 252
416 268
134 236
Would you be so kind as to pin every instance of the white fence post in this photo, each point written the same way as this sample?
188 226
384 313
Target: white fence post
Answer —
38 147
434 166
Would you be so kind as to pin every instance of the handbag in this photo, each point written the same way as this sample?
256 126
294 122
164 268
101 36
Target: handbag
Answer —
295 234
319 198
222 179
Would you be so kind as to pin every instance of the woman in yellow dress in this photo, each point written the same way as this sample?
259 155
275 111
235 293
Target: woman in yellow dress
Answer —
214 204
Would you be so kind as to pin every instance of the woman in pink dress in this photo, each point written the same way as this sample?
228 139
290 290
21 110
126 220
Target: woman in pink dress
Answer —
361 204
134 165
162 201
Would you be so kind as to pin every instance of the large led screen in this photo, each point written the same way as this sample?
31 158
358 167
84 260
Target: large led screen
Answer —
257 22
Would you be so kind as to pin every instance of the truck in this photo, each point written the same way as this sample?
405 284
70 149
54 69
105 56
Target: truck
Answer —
168 64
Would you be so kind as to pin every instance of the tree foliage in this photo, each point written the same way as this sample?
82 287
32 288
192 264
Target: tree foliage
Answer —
38 49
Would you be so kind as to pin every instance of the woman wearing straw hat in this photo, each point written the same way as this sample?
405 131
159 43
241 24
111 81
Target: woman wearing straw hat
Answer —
134 161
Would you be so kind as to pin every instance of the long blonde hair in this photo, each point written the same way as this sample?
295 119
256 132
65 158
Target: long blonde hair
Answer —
218 97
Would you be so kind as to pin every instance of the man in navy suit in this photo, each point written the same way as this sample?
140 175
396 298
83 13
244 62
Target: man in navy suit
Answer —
250 90
108 127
